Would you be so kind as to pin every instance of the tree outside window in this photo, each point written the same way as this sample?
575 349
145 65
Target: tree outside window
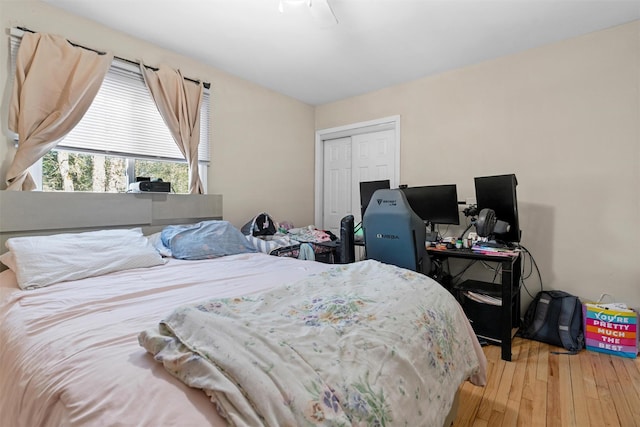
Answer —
64 170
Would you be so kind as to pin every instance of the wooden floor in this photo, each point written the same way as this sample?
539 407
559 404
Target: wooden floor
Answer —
539 388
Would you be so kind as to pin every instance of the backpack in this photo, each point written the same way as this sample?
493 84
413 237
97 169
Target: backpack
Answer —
555 317
261 225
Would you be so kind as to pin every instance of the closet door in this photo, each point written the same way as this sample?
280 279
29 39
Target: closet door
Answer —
347 162
373 159
337 182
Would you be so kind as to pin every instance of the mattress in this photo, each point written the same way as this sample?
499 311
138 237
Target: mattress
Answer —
69 352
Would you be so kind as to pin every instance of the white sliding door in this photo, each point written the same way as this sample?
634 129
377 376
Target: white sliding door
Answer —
345 157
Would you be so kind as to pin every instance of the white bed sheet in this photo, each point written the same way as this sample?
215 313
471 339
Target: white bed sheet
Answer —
69 353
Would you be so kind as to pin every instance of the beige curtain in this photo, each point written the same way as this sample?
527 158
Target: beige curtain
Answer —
178 101
54 86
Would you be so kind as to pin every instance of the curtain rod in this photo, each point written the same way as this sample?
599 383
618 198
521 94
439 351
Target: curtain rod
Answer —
207 85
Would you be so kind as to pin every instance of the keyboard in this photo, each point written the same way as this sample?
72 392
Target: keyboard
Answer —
493 245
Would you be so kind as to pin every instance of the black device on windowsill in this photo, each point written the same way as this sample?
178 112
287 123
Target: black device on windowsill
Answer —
144 184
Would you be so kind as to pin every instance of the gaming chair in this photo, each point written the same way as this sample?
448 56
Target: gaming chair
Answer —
394 233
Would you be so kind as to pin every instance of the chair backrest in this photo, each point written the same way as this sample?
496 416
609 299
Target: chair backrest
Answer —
347 240
393 232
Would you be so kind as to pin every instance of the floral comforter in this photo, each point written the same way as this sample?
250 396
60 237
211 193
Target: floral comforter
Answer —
361 344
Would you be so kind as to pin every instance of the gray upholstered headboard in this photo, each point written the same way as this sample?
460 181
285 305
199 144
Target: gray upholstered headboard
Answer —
25 213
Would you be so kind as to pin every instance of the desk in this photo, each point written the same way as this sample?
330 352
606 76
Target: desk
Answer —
510 290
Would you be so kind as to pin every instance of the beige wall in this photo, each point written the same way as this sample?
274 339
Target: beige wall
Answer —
256 134
564 118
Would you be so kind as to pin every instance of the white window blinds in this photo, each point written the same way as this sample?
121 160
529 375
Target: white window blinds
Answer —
123 119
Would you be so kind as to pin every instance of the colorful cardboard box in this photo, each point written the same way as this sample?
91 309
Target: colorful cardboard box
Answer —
611 328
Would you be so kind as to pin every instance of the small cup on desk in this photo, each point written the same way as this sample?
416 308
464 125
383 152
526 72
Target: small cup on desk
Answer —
458 244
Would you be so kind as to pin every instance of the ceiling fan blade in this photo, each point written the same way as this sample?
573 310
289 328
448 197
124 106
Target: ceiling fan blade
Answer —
322 12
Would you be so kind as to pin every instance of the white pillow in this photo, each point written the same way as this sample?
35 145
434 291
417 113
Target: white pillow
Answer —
45 260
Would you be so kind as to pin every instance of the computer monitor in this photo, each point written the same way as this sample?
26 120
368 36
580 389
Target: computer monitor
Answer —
367 188
498 192
435 204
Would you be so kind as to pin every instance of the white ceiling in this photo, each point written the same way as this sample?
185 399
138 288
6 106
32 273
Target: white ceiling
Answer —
376 43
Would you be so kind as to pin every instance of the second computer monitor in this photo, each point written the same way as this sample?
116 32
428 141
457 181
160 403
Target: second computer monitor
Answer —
367 188
498 192
435 204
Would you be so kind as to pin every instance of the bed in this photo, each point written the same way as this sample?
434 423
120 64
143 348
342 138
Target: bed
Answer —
81 352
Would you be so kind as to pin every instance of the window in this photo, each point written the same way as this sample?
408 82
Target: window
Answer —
64 170
122 136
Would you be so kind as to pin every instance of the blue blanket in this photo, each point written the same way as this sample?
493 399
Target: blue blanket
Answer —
206 239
